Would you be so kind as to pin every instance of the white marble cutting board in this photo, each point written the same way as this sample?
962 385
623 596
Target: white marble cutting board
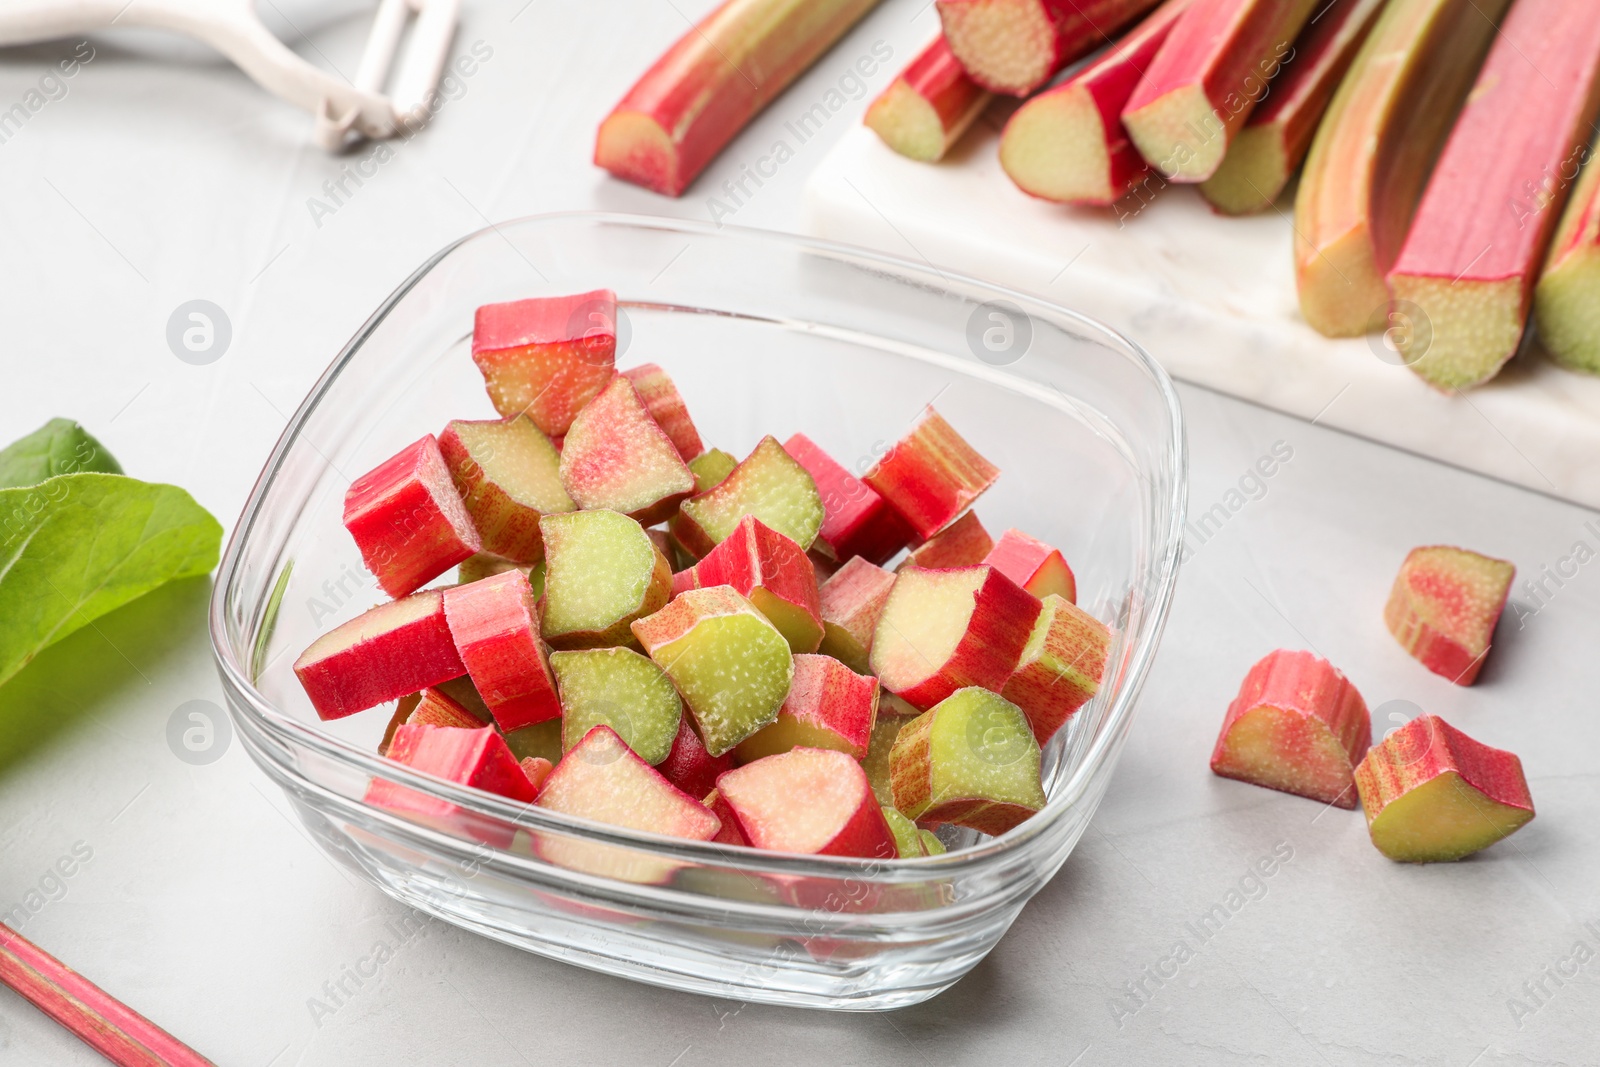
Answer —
1213 299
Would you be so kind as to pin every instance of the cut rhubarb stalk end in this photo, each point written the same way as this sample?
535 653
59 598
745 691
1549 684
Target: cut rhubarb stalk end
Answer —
907 838
1444 607
1210 74
665 404
1068 143
494 624
931 475
408 520
1297 725
1016 46
811 801
689 766
537 769
617 457
1374 150
602 572
851 603
970 760
547 357
431 707
1272 145
948 629
770 569
1034 565
539 741
929 106
1432 794
487 565
729 663
856 521
768 484
1484 227
393 650
964 543
1061 667
618 688
710 468
1565 310
714 80
828 706
508 475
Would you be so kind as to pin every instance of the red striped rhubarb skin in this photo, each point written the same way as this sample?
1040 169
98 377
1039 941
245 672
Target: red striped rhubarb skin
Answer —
929 106
1016 46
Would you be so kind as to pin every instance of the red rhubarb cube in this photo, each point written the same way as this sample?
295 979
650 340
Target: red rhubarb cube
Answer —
931 475
494 623
1444 607
665 404
1034 565
408 520
393 650
547 357
856 521
773 571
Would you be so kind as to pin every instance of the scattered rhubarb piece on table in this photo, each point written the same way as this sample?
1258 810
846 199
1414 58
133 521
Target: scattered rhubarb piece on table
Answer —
811 801
617 457
828 706
665 404
393 650
1272 145
931 475
495 626
773 571
547 357
927 108
1444 607
768 484
1061 667
1483 230
1297 725
851 602
1034 565
1374 150
408 520
714 80
964 543
508 474
1565 308
602 572
618 688
1016 46
856 521
1432 794
970 760
1068 143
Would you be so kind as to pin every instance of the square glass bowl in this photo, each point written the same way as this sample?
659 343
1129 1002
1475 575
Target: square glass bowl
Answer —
764 334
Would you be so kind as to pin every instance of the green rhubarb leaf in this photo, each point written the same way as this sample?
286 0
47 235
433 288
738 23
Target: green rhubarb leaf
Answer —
77 546
60 446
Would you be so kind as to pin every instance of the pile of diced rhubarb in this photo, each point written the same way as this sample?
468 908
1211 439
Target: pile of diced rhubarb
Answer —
657 635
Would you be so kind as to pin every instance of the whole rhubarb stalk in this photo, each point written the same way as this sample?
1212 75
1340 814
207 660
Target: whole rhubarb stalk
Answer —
1209 76
1273 143
929 106
1373 153
1484 227
1015 46
1565 308
1068 144
117 1032
713 81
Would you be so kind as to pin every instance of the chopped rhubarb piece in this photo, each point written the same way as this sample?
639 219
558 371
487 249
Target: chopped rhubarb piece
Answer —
602 572
495 626
487 565
477 758
508 474
1297 725
394 649
716 78
537 769
1477 244
1061 667
542 740
948 629
431 707
1034 565
547 357
907 838
772 571
852 602
665 404
810 800
964 543
730 834
730 664
1567 314
619 688
1432 794
617 457
828 706
1373 151
855 519
689 766
408 520
1068 144
710 468
931 845
1273 143
970 760
885 728
1016 46
768 484
929 106
1444 607
931 475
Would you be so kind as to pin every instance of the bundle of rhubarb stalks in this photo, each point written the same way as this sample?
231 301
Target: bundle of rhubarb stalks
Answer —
656 635
1443 199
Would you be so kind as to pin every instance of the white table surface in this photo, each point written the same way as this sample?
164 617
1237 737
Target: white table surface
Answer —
205 907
